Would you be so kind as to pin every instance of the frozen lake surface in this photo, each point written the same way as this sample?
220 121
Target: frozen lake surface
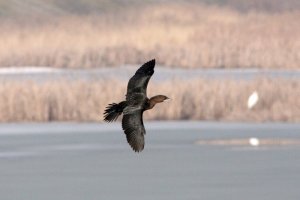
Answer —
125 72
93 161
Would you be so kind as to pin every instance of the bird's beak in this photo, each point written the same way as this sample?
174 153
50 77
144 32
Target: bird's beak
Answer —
167 99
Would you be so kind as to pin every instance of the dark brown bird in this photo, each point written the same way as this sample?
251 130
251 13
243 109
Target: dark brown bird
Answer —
134 106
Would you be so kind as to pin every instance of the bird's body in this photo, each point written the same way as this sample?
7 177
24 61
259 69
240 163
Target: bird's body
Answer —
134 106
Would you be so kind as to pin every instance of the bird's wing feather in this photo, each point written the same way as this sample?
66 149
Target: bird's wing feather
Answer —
136 98
139 82
134 129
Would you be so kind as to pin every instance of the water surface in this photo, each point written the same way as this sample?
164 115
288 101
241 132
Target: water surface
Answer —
93 161
125 72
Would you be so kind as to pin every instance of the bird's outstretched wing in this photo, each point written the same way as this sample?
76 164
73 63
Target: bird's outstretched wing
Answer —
136 98
139 82
134 129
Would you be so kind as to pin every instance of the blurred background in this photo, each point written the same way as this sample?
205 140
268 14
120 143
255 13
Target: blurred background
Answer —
66 60
231 68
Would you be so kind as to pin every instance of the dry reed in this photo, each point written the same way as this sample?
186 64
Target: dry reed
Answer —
193 99
183 35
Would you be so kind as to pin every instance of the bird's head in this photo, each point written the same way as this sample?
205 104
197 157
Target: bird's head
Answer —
165 98
159 98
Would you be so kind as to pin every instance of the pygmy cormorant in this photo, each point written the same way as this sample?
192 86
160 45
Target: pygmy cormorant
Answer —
133 107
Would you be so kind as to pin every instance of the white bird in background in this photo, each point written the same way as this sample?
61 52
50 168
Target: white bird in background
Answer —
254 141
252 100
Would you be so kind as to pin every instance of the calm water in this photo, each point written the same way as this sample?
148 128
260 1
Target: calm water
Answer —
125 72
93 161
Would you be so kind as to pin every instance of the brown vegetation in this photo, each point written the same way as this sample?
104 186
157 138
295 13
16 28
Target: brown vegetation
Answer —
194 99
184 35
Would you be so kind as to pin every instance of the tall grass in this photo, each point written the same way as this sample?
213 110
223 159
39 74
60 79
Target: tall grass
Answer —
194 99
184 35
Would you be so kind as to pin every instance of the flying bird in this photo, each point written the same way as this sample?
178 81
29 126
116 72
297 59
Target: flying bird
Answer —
133 107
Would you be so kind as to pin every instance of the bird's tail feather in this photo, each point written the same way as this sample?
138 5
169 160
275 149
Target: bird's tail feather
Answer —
113 111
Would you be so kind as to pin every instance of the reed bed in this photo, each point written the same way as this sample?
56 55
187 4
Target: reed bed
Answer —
183 35
84 101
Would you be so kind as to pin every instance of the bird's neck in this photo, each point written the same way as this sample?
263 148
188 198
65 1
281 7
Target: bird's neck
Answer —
151 104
